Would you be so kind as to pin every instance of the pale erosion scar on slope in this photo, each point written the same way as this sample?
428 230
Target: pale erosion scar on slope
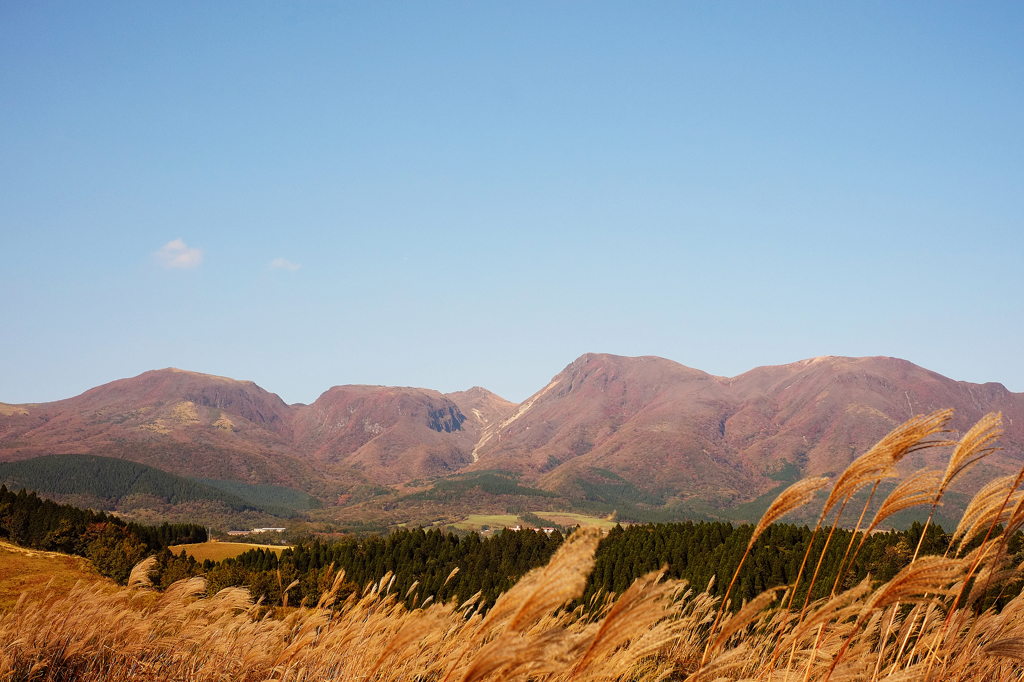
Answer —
185 412
486 434
225 423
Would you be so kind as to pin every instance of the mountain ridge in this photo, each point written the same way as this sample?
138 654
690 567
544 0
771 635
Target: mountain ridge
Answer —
726 437
647 427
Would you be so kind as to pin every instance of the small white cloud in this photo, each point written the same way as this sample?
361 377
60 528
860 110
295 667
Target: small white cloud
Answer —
176 254
284 264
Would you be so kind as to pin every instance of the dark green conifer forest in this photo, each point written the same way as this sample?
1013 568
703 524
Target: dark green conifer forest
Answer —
420 561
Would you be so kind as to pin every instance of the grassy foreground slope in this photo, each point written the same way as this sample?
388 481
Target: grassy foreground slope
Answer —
112 545
33 571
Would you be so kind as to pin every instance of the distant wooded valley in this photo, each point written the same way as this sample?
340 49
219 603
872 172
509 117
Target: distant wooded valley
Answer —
434 565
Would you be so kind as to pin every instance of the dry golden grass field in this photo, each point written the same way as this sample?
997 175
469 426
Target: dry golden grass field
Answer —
498 521
218 551
29 570
569 520
935 620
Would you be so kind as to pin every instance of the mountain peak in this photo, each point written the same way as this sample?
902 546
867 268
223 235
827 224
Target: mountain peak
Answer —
604 423
216 377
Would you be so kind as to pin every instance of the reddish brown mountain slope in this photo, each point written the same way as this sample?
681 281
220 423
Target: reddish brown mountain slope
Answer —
651 420
201 425
666 430
819 413
391 434
187 423
670 429
481 406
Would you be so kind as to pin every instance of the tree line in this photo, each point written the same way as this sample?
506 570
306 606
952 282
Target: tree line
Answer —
703 552
421 562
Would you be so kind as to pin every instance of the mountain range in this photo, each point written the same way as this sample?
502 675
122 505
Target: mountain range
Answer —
607 427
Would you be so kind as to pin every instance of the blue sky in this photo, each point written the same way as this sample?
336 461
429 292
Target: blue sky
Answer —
448 194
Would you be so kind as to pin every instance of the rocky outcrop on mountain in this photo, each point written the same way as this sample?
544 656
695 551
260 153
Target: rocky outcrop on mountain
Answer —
392 435
480 405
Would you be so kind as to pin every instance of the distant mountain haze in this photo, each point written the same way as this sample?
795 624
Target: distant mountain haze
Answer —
664 431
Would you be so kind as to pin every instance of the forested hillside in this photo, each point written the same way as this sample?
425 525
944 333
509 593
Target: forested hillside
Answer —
274 499
108 482
109 479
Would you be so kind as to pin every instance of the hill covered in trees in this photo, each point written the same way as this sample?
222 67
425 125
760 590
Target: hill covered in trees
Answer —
110 482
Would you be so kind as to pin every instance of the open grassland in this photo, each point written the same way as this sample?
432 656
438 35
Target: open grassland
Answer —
940 618
499 521
570 520
28 570
492 521
219 551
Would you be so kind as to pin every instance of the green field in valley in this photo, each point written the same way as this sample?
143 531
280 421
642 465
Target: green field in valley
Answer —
492 521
